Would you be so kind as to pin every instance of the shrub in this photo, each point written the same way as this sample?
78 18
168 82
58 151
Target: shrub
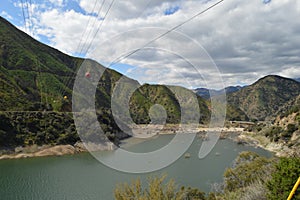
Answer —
249 167
283 179
291 128
157 189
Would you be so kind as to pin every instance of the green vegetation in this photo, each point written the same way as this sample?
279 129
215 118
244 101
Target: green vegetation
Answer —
293 106
36 78
149 95
31 72
53 128
248 168
157 189
235 114
19 128
256 177
274 133
283 179
286 129
251 177
265 97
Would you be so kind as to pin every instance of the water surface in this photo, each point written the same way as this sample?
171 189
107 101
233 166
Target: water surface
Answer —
78 177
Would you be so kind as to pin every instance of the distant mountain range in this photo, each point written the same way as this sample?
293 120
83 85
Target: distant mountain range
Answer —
207 93
260 100
36 78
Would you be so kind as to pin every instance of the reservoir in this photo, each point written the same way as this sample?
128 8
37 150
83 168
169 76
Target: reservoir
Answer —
82 177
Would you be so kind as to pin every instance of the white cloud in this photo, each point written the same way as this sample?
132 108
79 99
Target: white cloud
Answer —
57 2
246 39
6 15
90 6
290 71
63 28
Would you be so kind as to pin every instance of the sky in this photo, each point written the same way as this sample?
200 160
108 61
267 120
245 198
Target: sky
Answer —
234 43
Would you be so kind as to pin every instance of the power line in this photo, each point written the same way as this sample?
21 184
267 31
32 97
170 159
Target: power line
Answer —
98 28
26 15
42 80
26 5
29 17
23 12
110 6
145 8
119 59
87 25
81 51
69 80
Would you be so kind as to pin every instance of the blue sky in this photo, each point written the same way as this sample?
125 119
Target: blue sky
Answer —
245 39
171 10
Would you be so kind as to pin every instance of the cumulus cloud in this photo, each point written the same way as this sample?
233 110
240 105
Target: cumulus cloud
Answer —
63 28
246 39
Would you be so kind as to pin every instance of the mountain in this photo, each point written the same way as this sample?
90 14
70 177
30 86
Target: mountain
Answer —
231 89
285 131
265 97
36 83
293 105
206 93
297 79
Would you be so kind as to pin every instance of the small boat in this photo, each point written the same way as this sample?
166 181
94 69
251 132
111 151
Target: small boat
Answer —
187 155
217 154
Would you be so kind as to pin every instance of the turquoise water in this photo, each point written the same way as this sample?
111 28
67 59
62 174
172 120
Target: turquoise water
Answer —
80 176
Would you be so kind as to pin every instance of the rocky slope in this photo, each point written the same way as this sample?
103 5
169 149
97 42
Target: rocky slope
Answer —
261 100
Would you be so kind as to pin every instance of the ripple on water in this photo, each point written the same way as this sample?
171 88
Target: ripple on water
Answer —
80 176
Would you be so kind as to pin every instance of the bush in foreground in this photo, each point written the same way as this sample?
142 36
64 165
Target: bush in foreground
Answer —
157 189
283 179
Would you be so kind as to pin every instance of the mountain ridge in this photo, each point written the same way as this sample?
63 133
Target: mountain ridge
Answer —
36 83
262 99
39 80
207 93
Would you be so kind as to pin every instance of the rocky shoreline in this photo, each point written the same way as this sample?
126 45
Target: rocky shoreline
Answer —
236 134
256 140
57 150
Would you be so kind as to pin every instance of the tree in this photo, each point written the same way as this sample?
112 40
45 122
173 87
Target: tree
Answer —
7 132
283 179
291 128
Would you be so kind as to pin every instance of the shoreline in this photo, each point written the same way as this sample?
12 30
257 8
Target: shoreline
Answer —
236 134
256 140
57 150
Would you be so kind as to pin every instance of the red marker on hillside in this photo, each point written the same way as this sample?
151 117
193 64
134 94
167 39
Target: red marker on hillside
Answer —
87 75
